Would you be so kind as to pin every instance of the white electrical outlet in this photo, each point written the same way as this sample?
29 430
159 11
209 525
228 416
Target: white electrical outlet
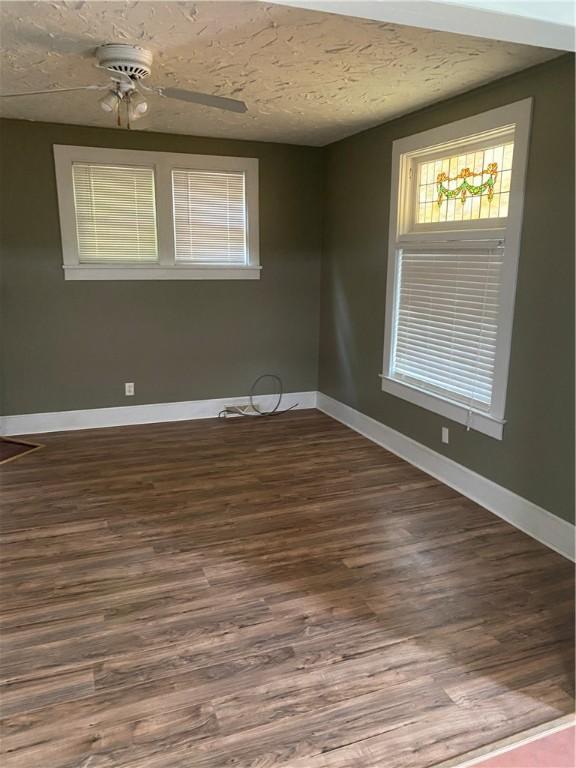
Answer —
129 388
445 435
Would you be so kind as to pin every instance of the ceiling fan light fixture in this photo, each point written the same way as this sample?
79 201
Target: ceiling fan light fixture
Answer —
138 105
110 102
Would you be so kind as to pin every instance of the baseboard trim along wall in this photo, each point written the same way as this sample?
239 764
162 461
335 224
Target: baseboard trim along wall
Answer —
61 421
533 520
519 512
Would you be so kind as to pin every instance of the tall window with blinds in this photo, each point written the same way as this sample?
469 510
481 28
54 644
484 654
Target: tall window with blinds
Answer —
454 243
447 322
209 216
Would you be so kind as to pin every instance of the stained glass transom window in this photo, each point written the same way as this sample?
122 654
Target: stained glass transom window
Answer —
465 187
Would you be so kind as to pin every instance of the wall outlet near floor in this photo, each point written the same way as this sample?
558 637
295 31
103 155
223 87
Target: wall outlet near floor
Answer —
445 435
129 388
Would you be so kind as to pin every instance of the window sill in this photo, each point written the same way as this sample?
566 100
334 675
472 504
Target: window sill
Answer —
160 272
480 422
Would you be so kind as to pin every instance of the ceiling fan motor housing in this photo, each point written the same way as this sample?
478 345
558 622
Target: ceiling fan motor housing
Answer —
132 60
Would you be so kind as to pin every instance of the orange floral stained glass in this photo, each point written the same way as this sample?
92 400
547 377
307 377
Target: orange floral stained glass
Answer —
470 186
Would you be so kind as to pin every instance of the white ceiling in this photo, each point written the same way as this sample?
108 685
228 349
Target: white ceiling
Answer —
307 77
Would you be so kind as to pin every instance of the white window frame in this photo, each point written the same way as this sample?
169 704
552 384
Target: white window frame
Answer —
163 162
487 233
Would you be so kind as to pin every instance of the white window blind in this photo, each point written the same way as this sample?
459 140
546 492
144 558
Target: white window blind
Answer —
446 322
115 213
209 216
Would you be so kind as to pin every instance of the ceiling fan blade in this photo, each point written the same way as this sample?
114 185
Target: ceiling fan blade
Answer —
56 90
194 97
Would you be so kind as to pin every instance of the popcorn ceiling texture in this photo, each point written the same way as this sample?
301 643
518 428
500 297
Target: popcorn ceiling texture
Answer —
307 77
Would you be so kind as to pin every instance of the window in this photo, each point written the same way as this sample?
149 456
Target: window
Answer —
482 205
115 213
209 217
455 225
131 215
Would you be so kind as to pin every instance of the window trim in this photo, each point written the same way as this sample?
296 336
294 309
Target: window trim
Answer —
163 162
401 234
411 227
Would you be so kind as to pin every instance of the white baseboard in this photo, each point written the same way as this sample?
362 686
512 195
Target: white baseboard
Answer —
537 522
60 421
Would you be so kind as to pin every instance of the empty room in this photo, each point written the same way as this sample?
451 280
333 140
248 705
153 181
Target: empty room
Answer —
287 384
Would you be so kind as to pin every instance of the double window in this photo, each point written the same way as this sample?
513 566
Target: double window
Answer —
155 215
455 225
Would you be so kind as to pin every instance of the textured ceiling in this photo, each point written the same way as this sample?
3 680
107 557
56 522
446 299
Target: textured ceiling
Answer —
307 77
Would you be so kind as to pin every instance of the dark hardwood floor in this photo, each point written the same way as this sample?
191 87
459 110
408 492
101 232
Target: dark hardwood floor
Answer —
258 593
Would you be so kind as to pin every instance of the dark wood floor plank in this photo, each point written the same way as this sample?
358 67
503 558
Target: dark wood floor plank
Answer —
147 739
26 696
265 592
432 737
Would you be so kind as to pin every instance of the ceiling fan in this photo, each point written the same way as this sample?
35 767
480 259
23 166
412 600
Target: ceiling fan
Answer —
129 65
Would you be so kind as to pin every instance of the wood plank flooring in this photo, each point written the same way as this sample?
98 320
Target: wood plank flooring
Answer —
265 593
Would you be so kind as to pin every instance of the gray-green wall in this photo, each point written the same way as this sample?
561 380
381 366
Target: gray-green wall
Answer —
536 456
72 345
